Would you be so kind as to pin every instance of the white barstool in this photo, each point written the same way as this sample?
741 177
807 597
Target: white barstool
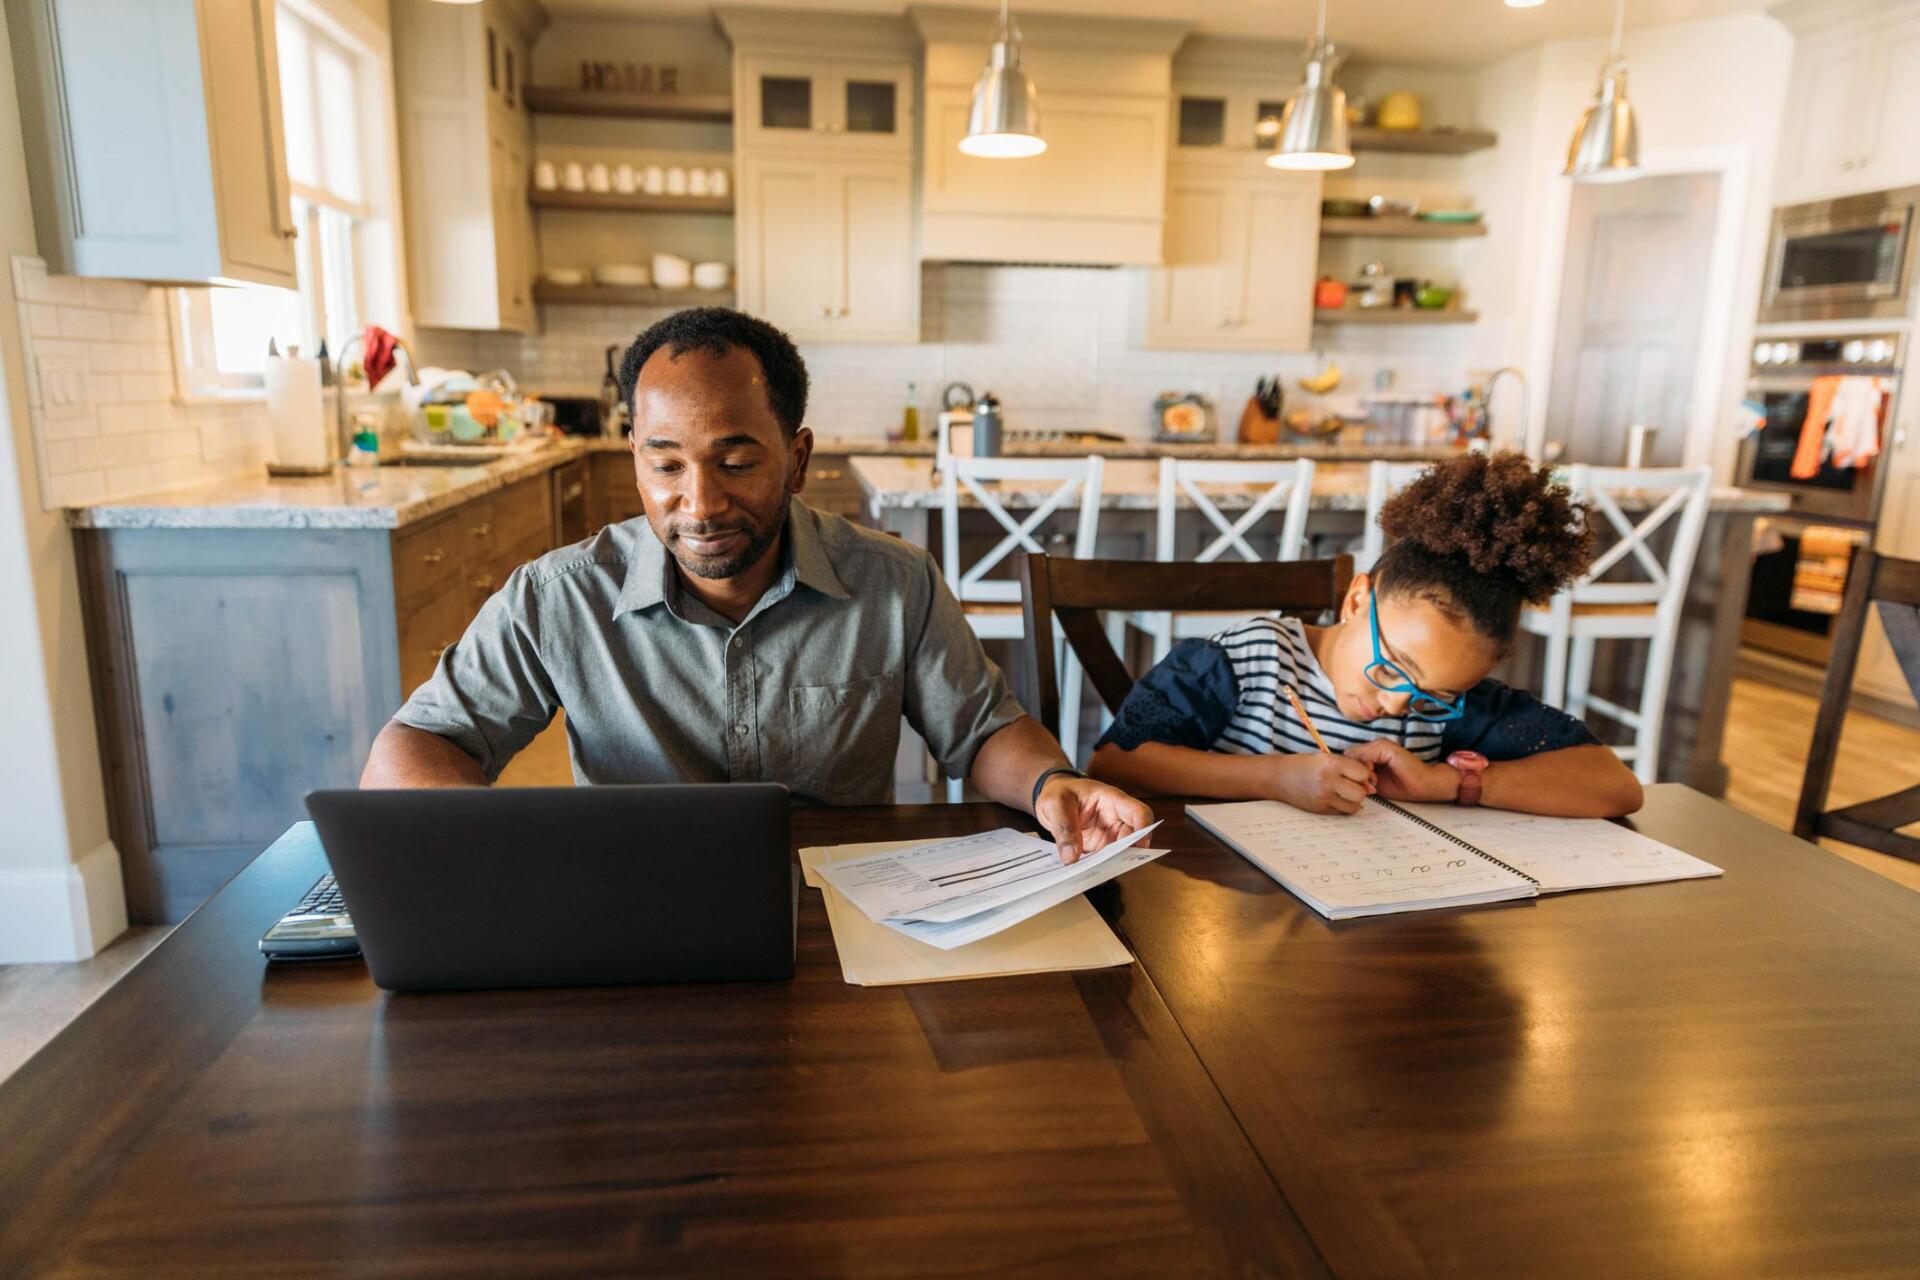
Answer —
1384 479
992 605
1648 609
1289 492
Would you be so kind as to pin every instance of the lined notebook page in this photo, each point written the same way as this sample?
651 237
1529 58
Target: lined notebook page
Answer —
1369 863
1567 853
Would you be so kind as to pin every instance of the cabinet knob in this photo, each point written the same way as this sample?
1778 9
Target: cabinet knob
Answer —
482 529
434 651
433 557
827 311
840 311
484 582
289 233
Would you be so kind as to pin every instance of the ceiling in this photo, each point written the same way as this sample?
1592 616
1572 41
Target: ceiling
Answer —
1459 33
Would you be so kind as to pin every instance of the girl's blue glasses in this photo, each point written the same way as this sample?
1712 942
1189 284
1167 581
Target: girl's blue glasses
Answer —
1388 678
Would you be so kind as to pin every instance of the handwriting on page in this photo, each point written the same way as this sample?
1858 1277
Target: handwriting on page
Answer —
1370 858
1569 853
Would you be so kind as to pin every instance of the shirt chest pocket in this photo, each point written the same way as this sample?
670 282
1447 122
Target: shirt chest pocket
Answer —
840 739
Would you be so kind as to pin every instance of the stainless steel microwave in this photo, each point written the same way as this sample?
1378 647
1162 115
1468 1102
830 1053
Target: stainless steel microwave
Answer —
1845 259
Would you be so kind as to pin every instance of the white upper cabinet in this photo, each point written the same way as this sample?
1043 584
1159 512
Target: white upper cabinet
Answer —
465 150
844 105
1849 124
1240 255
1097 195
153 138
823 139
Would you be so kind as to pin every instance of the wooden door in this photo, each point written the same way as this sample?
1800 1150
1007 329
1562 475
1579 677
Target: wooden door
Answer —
785 243
876 273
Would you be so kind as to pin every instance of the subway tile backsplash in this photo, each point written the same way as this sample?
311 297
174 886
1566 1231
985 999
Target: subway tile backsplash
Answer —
1054 343
100 389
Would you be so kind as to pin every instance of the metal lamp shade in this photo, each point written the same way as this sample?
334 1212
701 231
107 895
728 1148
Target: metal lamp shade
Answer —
1004 123
1313 124
1606 146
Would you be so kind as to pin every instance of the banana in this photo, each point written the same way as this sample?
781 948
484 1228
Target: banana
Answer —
1324 381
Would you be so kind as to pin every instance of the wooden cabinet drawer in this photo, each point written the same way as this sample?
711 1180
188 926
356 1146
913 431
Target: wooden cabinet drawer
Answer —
612 493
523 510
429 629
426 560
487 578
479 523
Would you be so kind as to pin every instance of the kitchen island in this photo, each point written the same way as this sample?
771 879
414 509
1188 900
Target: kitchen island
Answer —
902 493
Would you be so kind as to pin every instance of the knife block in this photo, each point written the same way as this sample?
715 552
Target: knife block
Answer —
1256 427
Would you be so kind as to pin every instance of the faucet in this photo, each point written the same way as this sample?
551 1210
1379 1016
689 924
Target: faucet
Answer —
1486 398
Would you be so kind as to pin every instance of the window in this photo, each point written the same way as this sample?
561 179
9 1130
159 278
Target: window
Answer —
336 116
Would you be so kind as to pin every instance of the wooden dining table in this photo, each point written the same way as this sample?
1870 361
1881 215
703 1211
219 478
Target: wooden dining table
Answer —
1710 1078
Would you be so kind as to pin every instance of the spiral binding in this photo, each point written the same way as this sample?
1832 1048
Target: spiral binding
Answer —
1447 835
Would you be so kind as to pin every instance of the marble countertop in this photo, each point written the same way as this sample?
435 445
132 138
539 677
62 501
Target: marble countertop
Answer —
1134 485
387 497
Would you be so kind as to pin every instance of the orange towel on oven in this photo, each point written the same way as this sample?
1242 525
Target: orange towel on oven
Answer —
1842 422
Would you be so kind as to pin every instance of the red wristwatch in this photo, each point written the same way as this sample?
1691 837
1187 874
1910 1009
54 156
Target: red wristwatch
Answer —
1470 765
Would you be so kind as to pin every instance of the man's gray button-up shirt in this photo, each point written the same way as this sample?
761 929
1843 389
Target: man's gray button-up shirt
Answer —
857 631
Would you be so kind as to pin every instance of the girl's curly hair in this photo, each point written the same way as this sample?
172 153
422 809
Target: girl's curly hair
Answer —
1480 536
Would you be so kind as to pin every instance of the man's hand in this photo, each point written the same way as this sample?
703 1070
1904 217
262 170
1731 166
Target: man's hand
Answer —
1320 783
1082 814
1404 776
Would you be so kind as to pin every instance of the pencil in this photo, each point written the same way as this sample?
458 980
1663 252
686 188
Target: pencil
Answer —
1305 719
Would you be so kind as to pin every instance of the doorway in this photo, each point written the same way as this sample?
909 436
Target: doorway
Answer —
1632 300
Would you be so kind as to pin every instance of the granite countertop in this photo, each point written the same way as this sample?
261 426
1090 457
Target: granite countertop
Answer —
1134 485
387 497
880 447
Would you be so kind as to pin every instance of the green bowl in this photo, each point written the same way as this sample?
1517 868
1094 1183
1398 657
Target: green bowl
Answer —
1451 215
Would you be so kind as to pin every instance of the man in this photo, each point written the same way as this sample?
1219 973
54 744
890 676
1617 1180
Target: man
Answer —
735 634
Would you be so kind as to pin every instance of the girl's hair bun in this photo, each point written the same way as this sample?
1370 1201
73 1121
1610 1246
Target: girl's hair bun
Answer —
1498 516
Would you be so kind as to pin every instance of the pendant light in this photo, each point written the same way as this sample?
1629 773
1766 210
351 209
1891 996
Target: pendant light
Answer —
1313 124
1004 122
1606 146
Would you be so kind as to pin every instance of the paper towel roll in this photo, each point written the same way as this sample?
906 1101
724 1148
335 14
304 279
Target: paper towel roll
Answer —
297 412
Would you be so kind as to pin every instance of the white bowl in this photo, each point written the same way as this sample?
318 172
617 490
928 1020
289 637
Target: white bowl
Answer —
711 275
567 276
624 274
670 271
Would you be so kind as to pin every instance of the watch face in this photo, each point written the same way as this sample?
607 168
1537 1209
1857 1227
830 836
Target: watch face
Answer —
1467 760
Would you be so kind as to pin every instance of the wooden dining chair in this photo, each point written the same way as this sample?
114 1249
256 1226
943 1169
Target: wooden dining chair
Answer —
1894 586
1076 592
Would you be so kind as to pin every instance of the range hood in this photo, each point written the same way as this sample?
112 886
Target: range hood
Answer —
1097 195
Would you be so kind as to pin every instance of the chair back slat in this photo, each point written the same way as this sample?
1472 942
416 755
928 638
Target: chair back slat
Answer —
1684 495
1077 484
1894 586
1289 488
1078 591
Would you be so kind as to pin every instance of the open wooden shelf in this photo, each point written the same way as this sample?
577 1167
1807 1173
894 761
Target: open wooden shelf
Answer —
1394 316
716 108
1402 228
608 200
610 295
1430 142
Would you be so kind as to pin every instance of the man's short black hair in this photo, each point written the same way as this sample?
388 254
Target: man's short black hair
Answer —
716 331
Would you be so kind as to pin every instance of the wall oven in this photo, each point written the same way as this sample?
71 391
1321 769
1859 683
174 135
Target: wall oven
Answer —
1781 388
1845 259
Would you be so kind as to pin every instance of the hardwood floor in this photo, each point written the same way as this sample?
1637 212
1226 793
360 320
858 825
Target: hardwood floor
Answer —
1768 731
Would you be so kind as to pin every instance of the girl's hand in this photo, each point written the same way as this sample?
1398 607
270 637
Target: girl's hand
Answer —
1320 783
1404 776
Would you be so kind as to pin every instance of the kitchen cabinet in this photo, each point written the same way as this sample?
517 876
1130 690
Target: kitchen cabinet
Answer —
844 106
826 247
1854 93
613 495
1240 252
465 144
153 138
237 669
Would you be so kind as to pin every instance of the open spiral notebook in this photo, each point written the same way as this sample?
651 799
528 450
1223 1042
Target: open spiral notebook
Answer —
1413 857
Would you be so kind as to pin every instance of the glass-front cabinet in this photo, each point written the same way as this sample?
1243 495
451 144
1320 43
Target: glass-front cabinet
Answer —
1227 116
854 104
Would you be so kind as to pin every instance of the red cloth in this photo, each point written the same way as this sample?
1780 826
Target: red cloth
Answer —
377 358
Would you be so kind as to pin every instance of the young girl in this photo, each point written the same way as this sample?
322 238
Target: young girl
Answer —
1399 684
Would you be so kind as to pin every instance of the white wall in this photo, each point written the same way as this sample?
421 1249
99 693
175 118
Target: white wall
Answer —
1707 95
60 891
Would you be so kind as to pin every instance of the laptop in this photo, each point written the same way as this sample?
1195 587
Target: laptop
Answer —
472 887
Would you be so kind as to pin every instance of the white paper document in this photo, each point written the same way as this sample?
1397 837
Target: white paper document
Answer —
1562 854
958 891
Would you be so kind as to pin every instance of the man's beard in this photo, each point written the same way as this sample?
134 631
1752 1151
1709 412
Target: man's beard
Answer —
732 564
